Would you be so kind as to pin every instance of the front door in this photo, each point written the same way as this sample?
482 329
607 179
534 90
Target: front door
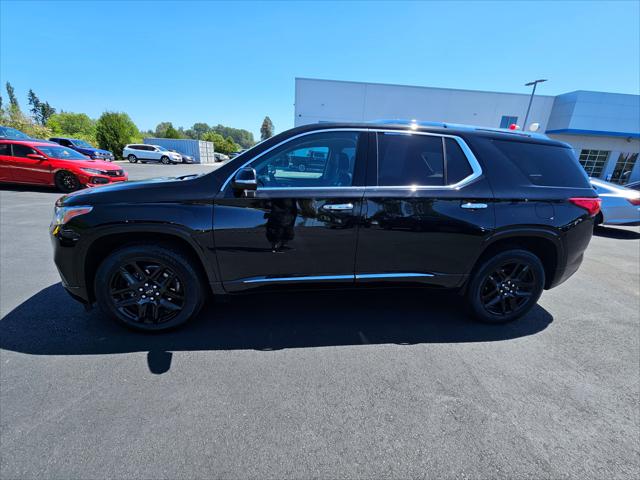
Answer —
301 226
29 170
427 211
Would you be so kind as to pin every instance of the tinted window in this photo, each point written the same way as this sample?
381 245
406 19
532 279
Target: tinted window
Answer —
458 167
545 164
22 150
64 153
5 149
408 159
324 159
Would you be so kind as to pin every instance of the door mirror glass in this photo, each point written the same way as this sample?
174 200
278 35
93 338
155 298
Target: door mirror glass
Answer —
36 156
245 179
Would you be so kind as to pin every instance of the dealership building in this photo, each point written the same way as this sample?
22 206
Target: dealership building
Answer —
603 128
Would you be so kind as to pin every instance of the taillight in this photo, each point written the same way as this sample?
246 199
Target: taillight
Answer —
591 205
634 201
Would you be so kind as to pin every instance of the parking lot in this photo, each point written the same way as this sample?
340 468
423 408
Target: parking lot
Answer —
387 384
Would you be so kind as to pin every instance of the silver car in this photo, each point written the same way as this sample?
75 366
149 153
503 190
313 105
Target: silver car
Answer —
620 205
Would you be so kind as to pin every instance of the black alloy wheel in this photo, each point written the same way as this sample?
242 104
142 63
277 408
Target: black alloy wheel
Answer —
132 159
165 160
67 182
506 286
149 288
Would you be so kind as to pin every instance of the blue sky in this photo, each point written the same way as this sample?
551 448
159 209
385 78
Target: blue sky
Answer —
234 63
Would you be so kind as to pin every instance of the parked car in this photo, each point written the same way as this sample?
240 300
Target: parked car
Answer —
84 148
235 154
633 185
498 216
620 205
40 163
220 157
8 133
185 158
150 153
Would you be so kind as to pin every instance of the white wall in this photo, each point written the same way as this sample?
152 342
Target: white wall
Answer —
337 101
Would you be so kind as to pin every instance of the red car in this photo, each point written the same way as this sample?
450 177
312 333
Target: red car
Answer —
40 163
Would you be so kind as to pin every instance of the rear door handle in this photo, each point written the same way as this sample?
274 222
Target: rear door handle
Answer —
473 206
338 206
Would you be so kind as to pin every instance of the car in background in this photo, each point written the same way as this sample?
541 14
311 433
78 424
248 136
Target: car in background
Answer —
8 133
220 157
84 148
620 205
633 185
150 153
43 163
239 152
185 158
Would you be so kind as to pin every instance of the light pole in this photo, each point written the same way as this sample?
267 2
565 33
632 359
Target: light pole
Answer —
533 92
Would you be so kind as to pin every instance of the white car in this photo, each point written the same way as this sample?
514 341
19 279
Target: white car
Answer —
620 205
150 153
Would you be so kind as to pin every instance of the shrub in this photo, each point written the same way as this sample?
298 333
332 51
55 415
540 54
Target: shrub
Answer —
114 130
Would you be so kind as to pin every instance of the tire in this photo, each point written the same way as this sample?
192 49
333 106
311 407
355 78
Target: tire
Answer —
158 288
506 286
598 221
165 160
67 182
302 167
132 159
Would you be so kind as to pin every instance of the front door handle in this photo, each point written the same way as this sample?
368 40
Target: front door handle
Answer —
338 206
473 206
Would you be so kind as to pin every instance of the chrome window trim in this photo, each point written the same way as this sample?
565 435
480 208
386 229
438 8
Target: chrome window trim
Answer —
476 169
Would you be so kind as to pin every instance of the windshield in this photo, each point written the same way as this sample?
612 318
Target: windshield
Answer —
162 149
62 153
12 133
81 143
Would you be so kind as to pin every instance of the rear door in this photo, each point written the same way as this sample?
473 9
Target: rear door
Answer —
427 210
301 227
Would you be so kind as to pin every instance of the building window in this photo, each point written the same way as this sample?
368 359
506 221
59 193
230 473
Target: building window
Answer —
623 168
593 161
508 120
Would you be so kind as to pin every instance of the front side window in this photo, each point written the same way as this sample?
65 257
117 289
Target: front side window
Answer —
324 159
22 150
593 161
406 159
5 149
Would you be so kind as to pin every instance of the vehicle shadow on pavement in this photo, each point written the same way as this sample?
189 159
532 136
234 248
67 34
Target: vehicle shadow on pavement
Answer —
9 187
617 233
51 323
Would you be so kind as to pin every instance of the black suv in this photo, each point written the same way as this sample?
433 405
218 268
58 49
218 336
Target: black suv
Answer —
498 215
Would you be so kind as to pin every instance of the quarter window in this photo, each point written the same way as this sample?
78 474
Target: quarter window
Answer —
593 161
324 159
458 167
405 159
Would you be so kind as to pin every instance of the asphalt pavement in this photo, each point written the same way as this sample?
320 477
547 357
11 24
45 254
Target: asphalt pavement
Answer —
385 384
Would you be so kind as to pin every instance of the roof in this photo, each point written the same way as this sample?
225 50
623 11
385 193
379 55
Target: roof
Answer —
35 141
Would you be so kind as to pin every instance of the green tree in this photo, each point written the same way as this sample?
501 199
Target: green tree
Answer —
221 144
198 130
266 130
171 132
75 125
240 136
13 101
114 130
41 111
161 129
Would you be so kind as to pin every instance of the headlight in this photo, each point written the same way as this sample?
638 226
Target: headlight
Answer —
62 215
93 171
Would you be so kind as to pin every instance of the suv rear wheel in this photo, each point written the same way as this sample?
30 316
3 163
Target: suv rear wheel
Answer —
506 286
132 158
149 288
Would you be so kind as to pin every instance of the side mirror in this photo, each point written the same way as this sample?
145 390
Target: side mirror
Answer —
245 180
36 156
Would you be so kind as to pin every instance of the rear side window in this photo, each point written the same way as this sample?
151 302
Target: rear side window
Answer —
5 149
547 165
458 167
405 159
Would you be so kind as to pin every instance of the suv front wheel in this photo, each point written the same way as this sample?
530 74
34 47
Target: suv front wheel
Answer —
149 288
506 286
132 158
